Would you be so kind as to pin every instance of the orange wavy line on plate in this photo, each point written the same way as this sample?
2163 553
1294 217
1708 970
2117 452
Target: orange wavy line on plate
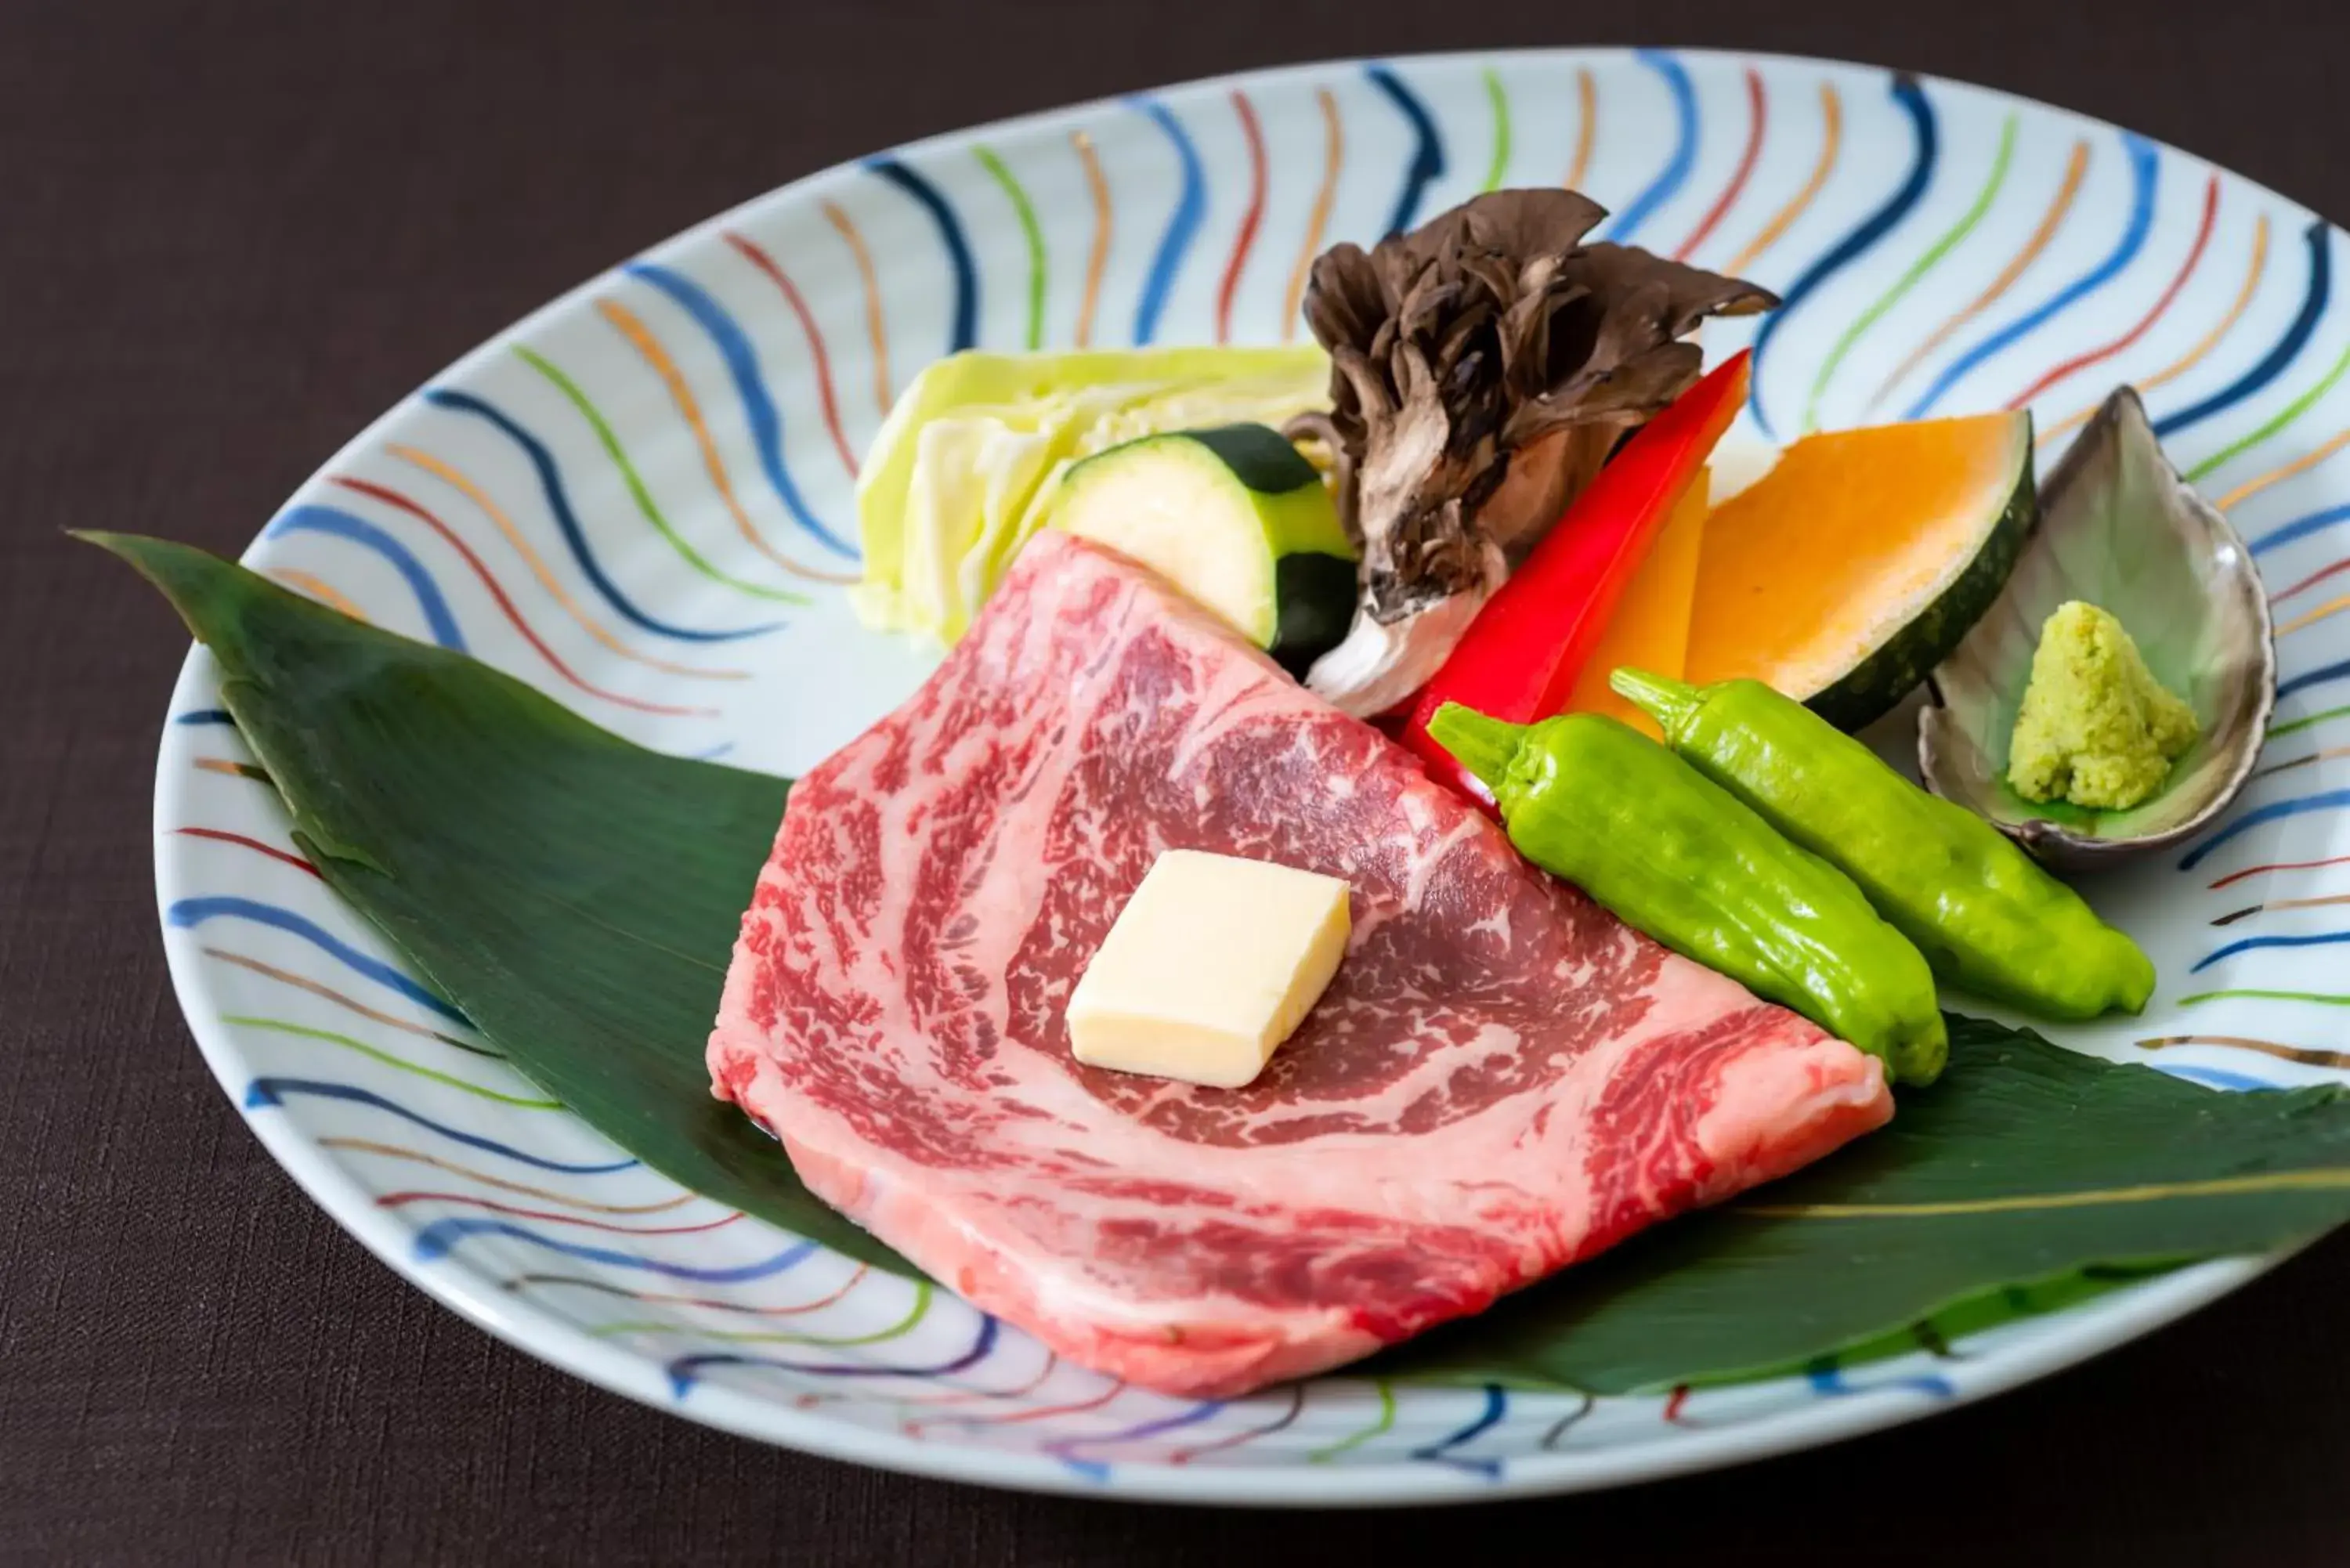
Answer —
1334 157
1831 141
2329 901
397 1151
1586 134
234 770
2194 356
2301 762
681 393
876 325
750 250
320 589
401 1200
328 993
2307 1056
1098 255
2311 617
2302 464
2076 168
449 475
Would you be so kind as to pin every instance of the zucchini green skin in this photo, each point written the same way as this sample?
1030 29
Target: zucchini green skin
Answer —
1309 560
1876 685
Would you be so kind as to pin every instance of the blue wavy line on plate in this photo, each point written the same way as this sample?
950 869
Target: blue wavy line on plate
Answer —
759 412
189 913
2252 944
2273 364
685 1369
566 522
207 716
2308 677
1676 172
1924 150
2145 167
2326 801
1497 1405
1829 1381
2300 527
1095 1469
442 1237
1183 224
337 523
711 753
965 332
267 1092
1427 164
2216 1077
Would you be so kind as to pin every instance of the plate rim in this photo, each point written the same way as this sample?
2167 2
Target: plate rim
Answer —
2082 1333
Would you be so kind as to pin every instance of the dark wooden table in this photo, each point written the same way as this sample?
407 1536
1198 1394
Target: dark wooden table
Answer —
230 235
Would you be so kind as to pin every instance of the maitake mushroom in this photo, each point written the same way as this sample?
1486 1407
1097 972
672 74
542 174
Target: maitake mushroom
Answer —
1482 366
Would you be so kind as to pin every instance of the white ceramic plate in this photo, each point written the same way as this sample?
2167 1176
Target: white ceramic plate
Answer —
633 500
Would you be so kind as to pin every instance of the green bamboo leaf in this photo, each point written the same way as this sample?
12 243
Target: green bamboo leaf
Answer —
2027 1178
578 896
574 895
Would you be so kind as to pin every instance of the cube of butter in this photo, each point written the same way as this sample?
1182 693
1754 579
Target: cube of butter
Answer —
1212 964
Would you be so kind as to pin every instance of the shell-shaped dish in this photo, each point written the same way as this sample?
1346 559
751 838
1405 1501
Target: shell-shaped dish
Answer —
2119 528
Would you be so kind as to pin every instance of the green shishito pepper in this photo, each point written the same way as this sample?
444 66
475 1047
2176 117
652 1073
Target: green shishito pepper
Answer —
1673 854
1984 912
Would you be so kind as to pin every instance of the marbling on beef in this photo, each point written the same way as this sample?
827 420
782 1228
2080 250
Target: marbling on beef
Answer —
1501 1079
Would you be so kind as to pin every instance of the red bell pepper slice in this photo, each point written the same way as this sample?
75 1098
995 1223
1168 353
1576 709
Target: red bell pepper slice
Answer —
1520 658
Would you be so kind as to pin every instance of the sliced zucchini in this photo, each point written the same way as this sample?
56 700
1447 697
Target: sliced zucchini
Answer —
1234 516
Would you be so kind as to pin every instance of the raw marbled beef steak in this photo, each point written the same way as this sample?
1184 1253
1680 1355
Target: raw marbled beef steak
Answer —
1501 1079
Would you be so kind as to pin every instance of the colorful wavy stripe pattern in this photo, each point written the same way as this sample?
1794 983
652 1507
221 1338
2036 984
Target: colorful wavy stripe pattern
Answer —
612 448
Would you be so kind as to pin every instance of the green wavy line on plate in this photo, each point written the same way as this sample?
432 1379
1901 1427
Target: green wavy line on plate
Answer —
2290 412
1499 96
2288 727
1385 1420
1918 270
1034 232
644 497
281 1026
914 1315
2328 998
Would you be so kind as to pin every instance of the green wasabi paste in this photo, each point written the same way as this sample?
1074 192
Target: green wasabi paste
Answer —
2097 728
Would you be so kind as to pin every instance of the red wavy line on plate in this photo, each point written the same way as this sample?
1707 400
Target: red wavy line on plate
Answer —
1249 220
750 252
391 497
223 836
2280 866
397 1199
1247 1434
2312 580
1757 118
966 1395
2098 355
1673 1406
1333 159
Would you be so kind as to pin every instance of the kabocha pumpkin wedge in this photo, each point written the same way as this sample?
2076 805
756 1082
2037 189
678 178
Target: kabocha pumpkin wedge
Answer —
1859 562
